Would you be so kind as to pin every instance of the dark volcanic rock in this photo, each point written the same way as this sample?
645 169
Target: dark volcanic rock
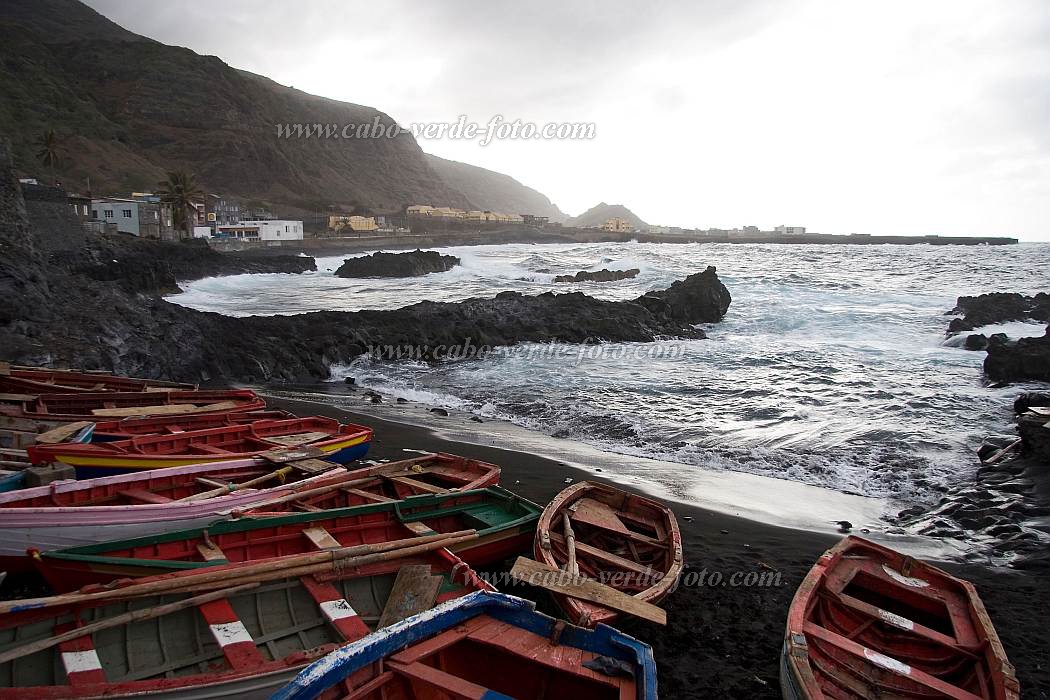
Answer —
1024 359
82 309
975 341
599 276
415 263
998 307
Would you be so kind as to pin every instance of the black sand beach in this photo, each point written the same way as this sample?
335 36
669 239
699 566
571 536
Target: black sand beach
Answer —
724 641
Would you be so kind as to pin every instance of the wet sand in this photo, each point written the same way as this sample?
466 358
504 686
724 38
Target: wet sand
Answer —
724 641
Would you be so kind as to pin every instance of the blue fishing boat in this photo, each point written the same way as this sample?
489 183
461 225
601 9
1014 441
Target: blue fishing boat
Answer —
484 645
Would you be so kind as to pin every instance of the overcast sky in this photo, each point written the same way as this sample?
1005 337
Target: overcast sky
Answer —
890 117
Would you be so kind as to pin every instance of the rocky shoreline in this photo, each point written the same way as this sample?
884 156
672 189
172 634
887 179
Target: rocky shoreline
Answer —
82 300
1009 361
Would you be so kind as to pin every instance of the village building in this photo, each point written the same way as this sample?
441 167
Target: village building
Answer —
262 230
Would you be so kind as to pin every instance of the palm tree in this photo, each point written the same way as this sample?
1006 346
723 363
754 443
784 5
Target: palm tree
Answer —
180 192
47 145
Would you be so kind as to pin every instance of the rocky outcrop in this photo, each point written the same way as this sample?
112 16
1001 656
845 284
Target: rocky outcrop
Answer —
700 298
599 276
415 263
1024 359
998 307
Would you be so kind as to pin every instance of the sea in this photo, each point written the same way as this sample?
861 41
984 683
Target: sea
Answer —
831 368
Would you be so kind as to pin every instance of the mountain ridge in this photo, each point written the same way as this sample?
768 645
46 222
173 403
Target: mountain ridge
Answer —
127 108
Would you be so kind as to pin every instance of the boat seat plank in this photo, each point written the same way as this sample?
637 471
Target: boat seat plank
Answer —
419 528
887 663
17 398
450 686
440 641
415 590
418 485
297 439
229 633
336 609
211 552
602 556
321 538
904 624
369 496
79 658
143 496
595 513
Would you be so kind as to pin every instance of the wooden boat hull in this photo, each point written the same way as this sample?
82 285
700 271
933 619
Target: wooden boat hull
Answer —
645 532
484 645
505 524
52 517
123 429
65 381
81 406
344 444
244 645
868 621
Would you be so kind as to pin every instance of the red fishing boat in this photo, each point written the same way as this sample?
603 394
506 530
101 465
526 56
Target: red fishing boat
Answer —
870 622
51 381
327 437
120 429
623 540
231 631
91 406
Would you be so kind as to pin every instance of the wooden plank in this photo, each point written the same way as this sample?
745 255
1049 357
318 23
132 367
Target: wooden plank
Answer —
418 485
314 466
540 575
321 538
592 512
445 684
164 409
62 432
297 439
210 551
1039 410
5 368
419 528
14 454
570 545
415 590
283 455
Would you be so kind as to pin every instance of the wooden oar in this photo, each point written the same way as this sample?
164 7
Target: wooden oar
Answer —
570 546
281 566
283 471
118 620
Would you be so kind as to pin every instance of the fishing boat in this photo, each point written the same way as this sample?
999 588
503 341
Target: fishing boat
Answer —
483 645
124 428
505 524
623 540
327 437
70 513
871 622
48 381
234 631
91 406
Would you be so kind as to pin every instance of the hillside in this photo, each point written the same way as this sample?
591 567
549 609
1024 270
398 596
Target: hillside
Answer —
600 213
127 108
494 191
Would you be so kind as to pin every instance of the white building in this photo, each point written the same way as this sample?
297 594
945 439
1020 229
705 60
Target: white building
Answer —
791 230
263 230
